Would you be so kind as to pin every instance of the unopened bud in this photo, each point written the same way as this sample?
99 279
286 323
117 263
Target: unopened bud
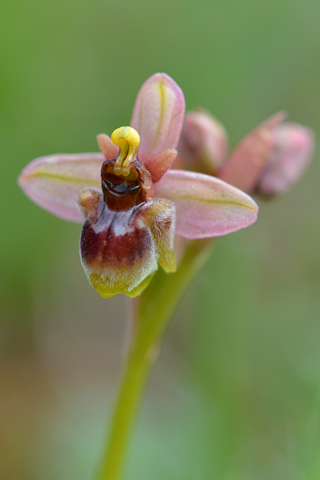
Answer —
250 157
293 146
203 144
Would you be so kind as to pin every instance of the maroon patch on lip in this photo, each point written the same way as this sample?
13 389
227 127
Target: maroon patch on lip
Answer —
102 246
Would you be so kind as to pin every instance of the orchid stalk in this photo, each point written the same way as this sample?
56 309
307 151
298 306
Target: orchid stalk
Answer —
133 203
157 308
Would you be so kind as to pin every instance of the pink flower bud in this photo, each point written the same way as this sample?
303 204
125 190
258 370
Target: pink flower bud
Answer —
250 157
293 146
203 144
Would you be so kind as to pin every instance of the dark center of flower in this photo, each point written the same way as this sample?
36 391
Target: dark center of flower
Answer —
124 192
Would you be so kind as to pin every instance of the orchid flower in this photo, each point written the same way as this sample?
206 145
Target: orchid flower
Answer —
131 219
269 160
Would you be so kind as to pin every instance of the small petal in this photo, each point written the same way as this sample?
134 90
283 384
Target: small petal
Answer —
206 206
161 219
107 147
54 182
203 145
160 163
290 156
251 155
90 201
158 115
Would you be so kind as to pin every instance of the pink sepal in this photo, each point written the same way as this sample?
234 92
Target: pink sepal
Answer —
55 181
205 205
158 115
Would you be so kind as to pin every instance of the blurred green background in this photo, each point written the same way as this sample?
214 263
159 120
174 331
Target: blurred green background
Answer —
235 394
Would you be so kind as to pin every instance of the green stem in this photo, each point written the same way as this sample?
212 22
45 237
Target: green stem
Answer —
154 310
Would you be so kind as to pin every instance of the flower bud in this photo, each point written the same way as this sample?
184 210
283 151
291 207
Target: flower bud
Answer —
203 144
293 146
250 157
